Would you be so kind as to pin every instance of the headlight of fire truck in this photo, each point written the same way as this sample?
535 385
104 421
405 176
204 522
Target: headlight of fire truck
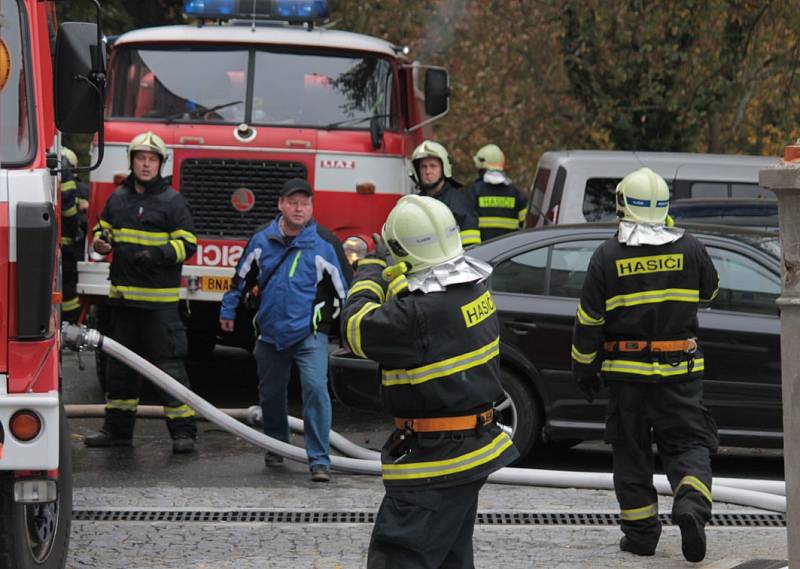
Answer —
355 248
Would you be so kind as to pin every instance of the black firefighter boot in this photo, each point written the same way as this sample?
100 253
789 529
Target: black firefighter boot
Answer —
690 512
103 438
117 430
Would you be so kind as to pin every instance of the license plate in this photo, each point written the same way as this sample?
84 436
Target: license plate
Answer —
215 284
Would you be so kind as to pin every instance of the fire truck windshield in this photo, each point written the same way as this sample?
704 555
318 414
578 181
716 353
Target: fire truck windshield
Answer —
291 89
16 136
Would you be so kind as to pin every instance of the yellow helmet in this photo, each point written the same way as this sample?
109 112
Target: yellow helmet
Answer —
421 232
148 142
490 157
69 156
431 149
643 197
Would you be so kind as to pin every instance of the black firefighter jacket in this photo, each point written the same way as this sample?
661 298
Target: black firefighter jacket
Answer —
464 211
501 208
159 220
438 354
647 293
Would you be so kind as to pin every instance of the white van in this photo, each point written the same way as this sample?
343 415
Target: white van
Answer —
575 186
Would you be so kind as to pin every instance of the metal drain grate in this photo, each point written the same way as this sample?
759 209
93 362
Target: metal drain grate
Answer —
350 517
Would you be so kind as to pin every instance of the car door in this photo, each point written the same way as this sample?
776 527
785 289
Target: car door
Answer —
536 292
740 338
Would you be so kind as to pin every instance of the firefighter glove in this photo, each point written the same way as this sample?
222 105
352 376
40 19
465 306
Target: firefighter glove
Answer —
148 258
381 251
589 384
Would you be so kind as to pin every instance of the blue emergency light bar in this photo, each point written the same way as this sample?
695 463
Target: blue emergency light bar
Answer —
295 11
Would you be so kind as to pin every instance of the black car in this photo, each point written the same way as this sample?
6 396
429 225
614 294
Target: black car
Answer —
756 213
536 283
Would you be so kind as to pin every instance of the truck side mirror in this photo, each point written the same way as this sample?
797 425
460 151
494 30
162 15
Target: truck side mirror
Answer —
437 91
79 78
376 132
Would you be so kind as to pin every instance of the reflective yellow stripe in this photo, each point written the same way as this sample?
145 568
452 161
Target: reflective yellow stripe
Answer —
504 202
370 286
122 404
179 412
365 262
653 296
69 186
138 237
470 237
104 224
498 222
180 250
639 513
145 294
582 358
70 211
586 320
697 484
460 463
183 234
67 241
71 304
522 215
354 328
651 368
713 294
398 285
442 368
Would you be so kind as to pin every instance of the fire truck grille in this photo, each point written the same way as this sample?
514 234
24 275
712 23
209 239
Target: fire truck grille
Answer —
217 191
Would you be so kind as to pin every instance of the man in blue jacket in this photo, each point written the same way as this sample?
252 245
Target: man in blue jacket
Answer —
296 268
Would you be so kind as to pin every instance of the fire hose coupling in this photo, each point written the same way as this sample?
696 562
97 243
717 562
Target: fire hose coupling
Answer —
79 337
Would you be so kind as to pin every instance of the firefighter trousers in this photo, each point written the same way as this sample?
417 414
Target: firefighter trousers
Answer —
425 528
672 415
160 337
70 304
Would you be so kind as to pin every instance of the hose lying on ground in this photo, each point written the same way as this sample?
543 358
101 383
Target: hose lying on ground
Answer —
78 338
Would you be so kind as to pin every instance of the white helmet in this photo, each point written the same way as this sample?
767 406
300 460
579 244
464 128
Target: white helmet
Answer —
490 157
69 156
148 142
431 149
643 197
421 232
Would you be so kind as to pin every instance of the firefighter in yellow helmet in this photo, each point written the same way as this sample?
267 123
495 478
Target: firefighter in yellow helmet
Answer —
501 206
433 175
430 322
148 226
637 325
70 228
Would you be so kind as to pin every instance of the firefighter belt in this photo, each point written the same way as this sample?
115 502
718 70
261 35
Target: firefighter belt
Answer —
436 424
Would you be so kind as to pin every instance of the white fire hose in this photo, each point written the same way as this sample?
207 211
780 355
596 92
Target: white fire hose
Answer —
763 494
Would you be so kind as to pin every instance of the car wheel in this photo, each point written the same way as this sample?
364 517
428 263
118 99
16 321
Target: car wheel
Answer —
36 536
520 412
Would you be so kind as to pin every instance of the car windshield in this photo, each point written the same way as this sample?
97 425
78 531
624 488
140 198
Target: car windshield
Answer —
315 90
16 140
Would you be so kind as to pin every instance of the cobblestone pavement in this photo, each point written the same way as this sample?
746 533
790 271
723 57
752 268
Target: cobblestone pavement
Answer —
239 545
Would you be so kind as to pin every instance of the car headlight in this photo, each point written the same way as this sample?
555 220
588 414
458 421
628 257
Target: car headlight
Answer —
355 248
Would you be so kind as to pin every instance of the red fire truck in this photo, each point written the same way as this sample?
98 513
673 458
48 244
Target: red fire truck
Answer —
35 467
261 95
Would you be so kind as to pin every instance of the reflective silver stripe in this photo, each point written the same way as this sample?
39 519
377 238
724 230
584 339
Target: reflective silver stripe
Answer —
354 328
653 296
461 463
442 368
582 358
145 294
398 285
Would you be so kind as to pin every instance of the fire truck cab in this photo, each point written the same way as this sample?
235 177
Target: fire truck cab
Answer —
35 465
262 95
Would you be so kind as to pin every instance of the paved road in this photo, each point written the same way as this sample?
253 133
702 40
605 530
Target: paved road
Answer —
227 477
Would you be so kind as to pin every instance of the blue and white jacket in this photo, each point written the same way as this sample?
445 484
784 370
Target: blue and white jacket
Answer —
303 295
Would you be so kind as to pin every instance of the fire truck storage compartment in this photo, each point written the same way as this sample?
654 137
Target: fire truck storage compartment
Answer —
36 247
208 184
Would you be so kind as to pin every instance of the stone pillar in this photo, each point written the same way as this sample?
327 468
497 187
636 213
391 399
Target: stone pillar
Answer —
784 180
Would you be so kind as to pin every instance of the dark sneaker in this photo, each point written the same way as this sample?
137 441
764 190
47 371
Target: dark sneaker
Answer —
272 459
625 544
693 537
182 444
103 438
320 473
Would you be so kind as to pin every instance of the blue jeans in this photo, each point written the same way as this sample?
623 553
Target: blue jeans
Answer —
274 368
